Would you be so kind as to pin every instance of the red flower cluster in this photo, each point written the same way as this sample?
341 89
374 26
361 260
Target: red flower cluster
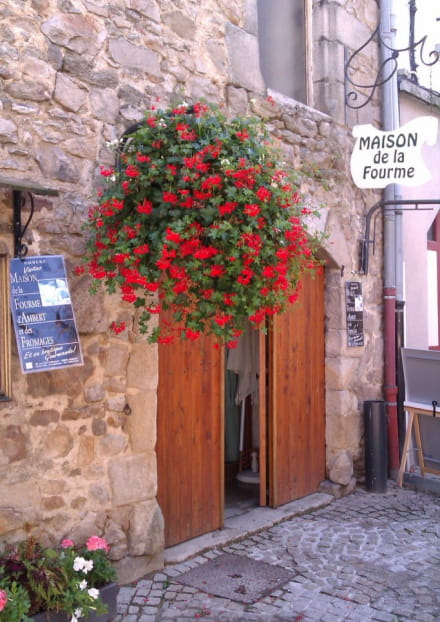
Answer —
200 221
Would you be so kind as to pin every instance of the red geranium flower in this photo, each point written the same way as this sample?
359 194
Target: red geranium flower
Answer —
132 171
251 210
217 271
141 250
146 207
169 197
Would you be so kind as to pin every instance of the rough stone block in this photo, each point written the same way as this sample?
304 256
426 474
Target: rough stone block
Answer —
86 450
13 443
341 373
44 417
142 369
10 520
116 359
341 468
141 423
58 442
116 403
129 55
80 33
52 503
133 478
89 525
146 529
341 403
243 54
112 444
104 104
343 432
94 392
68 94
8 131
130 569
90 314
117 540
181 24
22 496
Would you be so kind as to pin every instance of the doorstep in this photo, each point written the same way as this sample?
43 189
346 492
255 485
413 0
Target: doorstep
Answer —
247 524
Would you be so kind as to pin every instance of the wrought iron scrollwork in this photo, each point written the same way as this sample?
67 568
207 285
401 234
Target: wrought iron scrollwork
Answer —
359 95
20 248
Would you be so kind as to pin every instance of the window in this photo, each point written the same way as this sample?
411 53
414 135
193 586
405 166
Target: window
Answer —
434 284
283 45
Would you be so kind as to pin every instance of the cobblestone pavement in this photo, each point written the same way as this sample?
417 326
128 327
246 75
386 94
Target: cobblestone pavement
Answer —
363 557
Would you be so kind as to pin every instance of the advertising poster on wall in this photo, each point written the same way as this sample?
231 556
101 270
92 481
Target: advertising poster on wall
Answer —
354 313
42 312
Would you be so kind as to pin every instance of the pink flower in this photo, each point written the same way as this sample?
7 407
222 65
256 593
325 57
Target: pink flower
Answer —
95 543
67 544
3 599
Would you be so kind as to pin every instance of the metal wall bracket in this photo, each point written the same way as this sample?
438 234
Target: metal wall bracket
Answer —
395 205
20 248
20 187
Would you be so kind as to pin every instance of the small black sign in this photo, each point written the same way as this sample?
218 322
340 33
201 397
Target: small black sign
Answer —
42 313
354 313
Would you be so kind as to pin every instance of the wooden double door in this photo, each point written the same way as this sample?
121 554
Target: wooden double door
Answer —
190 422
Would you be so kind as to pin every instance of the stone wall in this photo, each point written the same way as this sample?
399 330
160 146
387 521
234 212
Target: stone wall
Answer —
77 445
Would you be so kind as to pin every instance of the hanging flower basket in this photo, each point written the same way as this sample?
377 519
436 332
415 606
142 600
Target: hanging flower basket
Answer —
197 218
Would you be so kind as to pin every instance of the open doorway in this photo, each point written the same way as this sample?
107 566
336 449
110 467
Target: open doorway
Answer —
242 425
291 422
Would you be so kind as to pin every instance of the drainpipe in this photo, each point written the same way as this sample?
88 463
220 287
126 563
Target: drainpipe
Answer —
390 119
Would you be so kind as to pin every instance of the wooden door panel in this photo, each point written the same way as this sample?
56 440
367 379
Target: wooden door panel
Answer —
190 439
296 397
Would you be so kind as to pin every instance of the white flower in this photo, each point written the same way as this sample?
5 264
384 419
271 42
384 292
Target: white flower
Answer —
93 592
88 565
83 585
79 563
77 614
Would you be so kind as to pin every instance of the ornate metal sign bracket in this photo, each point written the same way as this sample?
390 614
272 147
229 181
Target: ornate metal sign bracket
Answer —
20 248
19 188
358 95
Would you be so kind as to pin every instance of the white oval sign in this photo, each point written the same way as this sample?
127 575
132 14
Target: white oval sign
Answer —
380 158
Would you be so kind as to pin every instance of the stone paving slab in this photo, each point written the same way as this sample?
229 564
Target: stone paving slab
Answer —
364 557
236 577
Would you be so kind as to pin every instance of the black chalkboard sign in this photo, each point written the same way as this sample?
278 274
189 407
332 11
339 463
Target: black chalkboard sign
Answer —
354 313
42 313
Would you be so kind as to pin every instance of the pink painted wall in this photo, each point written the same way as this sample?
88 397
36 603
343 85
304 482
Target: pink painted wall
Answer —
415 228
